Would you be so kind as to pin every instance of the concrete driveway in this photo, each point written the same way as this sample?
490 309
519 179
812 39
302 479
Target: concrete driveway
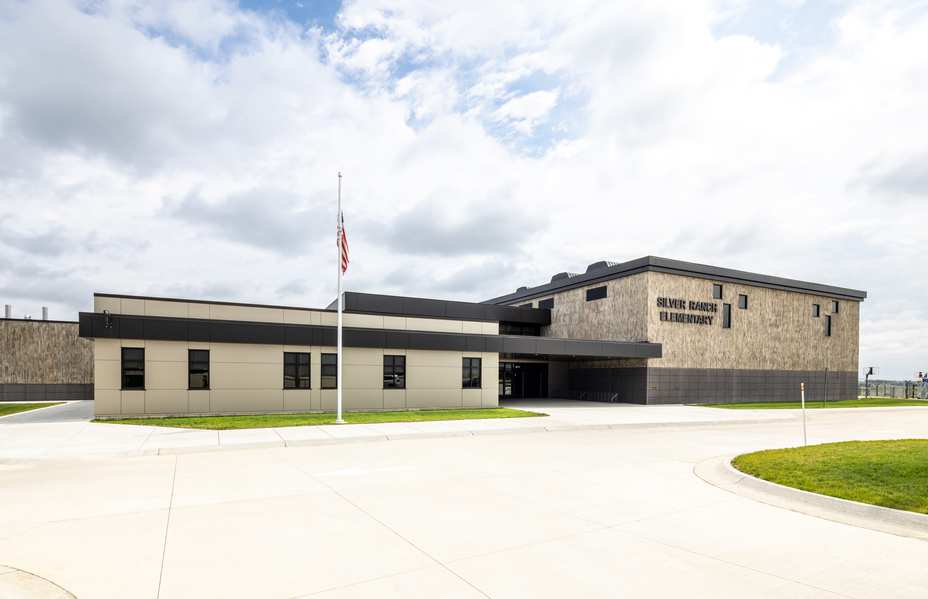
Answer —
584 513
72 411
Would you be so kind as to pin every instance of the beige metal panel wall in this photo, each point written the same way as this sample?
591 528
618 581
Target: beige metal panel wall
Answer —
248 378
620 316
776 332
43 352
181 309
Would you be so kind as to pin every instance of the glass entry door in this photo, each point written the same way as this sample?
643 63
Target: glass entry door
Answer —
522 380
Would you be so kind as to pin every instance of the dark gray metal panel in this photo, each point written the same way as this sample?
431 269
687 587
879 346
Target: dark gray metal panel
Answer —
45 391
656 264
198 330
297 335
415 306
695 385
520 345
164 329
432 308
364 337
225 331
130 328
493 343
396 340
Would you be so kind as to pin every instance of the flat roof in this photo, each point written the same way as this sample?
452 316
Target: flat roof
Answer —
606 271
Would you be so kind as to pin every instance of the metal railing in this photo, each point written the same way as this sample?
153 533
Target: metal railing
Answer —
907 390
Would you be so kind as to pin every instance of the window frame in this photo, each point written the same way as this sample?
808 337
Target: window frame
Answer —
397 368
592 294
122 368
323 367
717 291
816 310
190 367
295 357
468 367
835 306
742 301
726 316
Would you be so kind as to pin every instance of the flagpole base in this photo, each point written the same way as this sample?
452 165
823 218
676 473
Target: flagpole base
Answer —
339 421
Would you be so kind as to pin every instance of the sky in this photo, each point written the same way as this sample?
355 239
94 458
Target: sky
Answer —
190 149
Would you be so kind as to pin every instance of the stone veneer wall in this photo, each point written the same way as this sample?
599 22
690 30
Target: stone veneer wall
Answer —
620 316
770 348
776 332
44 360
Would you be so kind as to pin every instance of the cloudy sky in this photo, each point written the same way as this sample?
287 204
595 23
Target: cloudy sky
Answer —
190 148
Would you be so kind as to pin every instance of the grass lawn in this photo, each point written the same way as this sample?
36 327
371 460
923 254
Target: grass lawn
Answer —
15 408
887 473
276 420
872 402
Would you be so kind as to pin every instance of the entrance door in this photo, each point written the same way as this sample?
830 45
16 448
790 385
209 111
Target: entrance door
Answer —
520 380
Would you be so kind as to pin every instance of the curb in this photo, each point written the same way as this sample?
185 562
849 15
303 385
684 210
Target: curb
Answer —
719 472
407 436
403 436
27 585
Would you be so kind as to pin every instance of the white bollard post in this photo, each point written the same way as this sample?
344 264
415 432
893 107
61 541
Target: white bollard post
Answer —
802 392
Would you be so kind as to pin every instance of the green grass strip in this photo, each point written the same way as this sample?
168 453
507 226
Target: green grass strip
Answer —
15 408
278 420
872 402
886 473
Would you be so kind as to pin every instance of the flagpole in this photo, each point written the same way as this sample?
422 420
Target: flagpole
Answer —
338 354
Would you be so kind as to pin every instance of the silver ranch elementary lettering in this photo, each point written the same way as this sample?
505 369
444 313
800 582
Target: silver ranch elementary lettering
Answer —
684 317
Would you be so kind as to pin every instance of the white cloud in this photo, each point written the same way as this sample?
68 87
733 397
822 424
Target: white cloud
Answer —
214 135
525 112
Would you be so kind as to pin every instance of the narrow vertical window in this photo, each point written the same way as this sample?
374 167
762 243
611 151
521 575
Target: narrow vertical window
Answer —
394 372
329 372
742 301
828 326
471 373
716 291
726 316
198 369
834 307
296 370
816 310
133 368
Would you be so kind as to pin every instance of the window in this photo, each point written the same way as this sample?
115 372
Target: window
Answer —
834 307
471 373
133 368
828 326
198 369
394 372
329 371
515 328
595 293
816 310
726 316
716 291
742 301
296 370
546 304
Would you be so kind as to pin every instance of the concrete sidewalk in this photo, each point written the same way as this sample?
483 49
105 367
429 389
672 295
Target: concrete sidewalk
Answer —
64 440
593 514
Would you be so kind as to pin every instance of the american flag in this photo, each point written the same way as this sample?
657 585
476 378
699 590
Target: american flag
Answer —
342 241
